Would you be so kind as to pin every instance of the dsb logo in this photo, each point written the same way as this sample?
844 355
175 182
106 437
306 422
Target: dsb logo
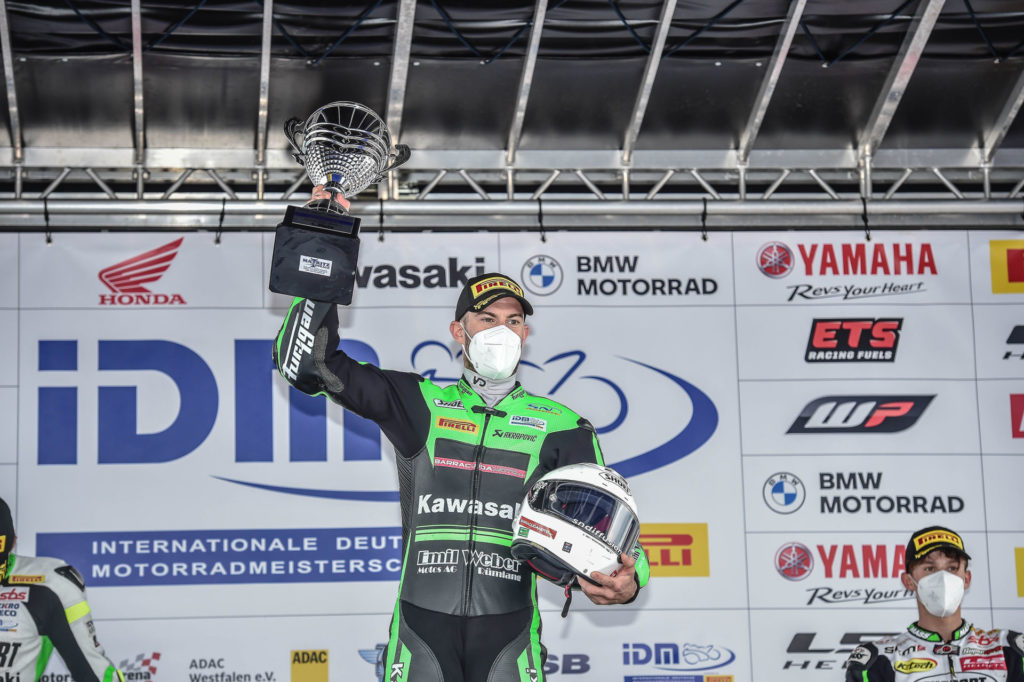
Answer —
119 440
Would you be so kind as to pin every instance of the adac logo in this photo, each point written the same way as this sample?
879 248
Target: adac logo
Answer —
775 260
784 492
542 275
127 280
678 550
860 414
143 666
1007 259
309 665
793 561
1017 414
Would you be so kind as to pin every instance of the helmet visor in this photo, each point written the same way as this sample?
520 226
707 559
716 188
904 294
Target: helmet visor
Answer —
600 513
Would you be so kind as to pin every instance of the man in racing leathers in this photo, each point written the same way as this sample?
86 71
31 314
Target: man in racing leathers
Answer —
466 455
43 606
941 646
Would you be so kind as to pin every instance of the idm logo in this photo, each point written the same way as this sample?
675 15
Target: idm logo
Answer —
191 407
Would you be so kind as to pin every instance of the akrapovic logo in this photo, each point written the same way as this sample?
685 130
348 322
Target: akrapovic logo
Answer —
450 275
300 343
127 279
853 340
860 414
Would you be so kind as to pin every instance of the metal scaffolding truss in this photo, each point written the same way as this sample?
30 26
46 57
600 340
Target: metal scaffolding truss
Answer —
744 182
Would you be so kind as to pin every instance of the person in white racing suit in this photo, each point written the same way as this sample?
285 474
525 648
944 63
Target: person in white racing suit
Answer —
42 608
941 646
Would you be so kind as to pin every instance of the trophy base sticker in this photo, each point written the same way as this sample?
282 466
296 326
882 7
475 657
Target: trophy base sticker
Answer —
315 266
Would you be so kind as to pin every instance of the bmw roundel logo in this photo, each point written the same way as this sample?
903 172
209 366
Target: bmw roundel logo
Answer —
784 493
541 275
775 260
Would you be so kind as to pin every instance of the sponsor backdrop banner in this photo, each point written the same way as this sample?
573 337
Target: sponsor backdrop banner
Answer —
787 406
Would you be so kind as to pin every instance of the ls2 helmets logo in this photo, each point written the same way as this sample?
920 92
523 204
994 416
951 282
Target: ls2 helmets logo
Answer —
541 275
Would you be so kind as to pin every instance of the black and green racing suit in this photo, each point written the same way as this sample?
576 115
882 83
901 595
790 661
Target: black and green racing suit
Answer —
463 470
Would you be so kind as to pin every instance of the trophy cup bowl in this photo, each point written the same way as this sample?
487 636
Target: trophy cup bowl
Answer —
345 147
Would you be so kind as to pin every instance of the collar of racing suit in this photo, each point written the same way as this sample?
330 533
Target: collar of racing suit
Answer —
491 390
927 635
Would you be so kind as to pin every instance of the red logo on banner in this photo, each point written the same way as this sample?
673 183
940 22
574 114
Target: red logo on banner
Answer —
1017 414
793 561
775 260
128 278
1015 265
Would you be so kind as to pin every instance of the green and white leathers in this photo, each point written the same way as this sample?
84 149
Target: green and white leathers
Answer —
463 470
43 607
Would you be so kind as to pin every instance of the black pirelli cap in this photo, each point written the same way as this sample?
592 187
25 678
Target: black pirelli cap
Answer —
934 537
483 290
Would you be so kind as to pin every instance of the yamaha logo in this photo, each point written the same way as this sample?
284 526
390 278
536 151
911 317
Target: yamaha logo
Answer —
541 275
794 561
775 260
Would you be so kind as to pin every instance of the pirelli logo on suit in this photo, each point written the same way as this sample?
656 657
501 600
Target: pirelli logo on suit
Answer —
457 425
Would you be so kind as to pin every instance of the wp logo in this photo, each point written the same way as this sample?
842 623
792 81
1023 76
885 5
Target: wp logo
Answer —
860 414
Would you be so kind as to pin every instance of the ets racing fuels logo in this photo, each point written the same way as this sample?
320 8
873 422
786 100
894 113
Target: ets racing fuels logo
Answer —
826 260
127 280
851 564
860 414
853 340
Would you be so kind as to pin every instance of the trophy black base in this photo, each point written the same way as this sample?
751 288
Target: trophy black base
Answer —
315 256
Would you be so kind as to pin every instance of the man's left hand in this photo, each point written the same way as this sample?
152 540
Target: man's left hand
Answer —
612 589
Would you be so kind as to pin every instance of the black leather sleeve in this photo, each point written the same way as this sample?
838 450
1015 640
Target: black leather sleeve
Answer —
306 354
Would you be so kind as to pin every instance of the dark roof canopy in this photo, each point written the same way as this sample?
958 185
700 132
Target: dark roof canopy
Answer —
506 101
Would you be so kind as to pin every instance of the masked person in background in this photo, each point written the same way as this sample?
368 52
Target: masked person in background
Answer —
43 606
941 646
466 455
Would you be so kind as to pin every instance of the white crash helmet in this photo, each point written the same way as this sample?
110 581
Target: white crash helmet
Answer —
575 520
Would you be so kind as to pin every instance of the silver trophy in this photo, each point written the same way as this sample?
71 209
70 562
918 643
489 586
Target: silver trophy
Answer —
345 147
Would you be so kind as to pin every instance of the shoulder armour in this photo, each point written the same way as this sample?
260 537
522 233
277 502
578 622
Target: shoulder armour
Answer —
72 575
1016 641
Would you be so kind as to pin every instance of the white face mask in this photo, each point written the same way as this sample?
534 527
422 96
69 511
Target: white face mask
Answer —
495 352
941 593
